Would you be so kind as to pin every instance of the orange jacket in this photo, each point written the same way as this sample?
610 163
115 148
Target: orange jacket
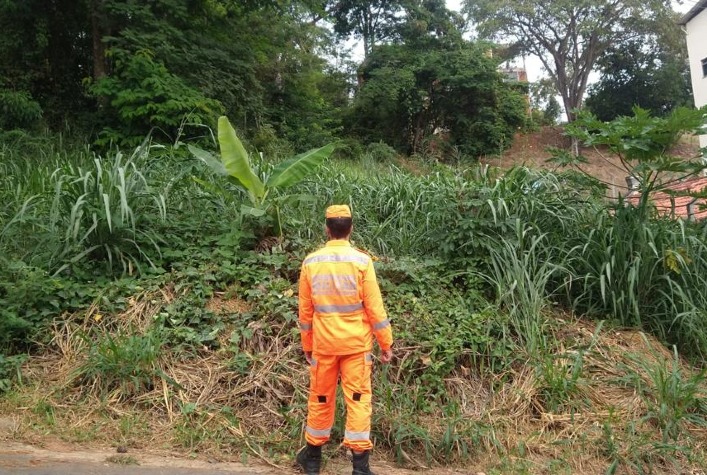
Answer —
340 304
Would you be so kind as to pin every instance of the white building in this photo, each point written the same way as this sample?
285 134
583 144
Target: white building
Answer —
695 22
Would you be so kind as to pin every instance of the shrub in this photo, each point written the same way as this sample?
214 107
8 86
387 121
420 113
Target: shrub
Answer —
18 110
143 94
381 151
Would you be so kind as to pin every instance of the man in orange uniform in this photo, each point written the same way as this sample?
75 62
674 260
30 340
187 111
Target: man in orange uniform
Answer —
340 310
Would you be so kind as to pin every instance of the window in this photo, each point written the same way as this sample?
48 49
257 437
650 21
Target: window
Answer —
704 67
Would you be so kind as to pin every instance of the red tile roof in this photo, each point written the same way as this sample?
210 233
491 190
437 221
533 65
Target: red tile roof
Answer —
676 206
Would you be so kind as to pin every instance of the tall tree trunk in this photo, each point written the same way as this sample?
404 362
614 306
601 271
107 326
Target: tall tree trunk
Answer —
100 69
98 31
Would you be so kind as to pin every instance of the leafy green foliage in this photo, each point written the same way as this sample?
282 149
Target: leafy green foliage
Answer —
145 96
45 53
236 164
373 22
409 95
643 144
648 70
18 110
124 362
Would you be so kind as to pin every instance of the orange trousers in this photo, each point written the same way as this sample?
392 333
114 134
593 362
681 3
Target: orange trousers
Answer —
355 372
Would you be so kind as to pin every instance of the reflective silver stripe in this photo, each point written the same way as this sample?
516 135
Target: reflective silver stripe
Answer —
314 362
357 435
337 258
369 357
305 326
381 325
338 308
319 432
334 284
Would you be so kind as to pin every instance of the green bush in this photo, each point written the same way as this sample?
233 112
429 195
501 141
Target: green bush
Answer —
18 110
29 298
381 151
144 95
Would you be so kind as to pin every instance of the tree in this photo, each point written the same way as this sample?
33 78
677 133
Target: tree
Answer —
43 51
411 95
371 21
567 35
545 108
650 71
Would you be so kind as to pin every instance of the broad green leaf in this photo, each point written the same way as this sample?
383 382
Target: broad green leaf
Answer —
235 159
257 212
206 157
295 169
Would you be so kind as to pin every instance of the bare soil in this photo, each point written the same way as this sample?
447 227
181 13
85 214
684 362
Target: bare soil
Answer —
531 150
59 458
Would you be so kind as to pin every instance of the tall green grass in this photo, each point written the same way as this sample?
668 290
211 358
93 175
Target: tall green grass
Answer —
98 211
645 272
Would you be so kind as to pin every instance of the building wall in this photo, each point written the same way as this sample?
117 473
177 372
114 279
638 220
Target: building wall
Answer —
696 30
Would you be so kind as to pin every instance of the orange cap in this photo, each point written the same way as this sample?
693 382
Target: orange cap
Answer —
338 211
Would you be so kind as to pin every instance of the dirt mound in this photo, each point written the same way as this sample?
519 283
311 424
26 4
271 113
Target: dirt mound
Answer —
532 150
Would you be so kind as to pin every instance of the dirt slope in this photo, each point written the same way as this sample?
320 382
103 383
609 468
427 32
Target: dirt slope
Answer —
531 149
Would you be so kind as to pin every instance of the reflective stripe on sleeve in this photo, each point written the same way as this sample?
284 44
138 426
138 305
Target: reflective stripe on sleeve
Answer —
337 258
381 325
357 435
305 326
338 308
319 432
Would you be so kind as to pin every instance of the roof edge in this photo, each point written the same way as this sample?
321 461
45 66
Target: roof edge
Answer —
694 11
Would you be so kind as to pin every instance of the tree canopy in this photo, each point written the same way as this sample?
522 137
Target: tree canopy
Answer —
119 69
567 35
649 71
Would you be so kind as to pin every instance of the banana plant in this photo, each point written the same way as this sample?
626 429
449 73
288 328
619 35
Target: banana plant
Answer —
235 164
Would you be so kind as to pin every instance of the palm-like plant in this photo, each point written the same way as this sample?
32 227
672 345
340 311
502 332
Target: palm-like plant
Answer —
235 163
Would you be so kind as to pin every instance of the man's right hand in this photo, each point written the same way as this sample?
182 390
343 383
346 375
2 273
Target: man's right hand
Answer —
387 355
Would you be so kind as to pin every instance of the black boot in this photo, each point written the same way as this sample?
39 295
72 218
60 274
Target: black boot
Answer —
310 459
360 463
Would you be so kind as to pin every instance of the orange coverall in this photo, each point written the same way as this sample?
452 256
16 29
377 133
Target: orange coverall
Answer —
340 309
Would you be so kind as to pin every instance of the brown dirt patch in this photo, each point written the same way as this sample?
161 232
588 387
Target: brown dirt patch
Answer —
531 150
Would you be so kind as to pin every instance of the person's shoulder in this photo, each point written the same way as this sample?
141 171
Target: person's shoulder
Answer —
312 254
364 254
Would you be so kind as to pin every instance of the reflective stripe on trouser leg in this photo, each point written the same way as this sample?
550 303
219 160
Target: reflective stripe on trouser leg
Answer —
356 384
323 377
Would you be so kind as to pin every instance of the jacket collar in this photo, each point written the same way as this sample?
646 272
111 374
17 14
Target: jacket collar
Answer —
338 242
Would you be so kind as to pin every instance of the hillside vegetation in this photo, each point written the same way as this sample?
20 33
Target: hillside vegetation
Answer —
145 302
